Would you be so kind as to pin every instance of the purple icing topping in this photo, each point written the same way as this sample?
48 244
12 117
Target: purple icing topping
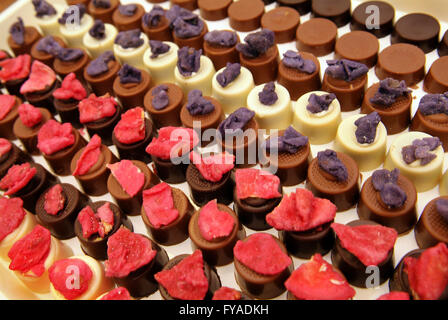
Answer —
383 176
129 39
153 17
256 44
70 12
69 54
176 11
158 48
434 104
188 25
330 163
236 121
105 4
197 105
99 65
127 9
385 182
48 45
221 38
442 208
189 61
17 31
43 8
129 74
230 73
388 91
160 98
319 103
366 131
346 69
268 96
292 59
419 150
98 30
290 142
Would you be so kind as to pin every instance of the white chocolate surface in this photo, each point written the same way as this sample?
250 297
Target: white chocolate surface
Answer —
97 47
162 67
50 25
132 56
201 80
73 35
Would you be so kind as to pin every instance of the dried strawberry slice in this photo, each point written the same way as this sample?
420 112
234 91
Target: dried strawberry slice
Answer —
29 115
54 136
428 275
5 146
395 295
255 183
261 253
214 223
128 175
301 211
369 243
54 200
213 167
30 252
71 277
89 222
106 219
127 252
71 88
186 280
15 68
11 215
131 128
17 177
7 102
89 157
173 142
41 78
3 55
226 293
120 293
96 108
317 280
159 205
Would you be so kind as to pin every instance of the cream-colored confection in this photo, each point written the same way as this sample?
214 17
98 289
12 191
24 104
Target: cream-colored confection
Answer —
27 225
97 47
74 34
162 67
11 287
49 25
443 187
424 177
234 95
201 80
133 56
320 128
367 156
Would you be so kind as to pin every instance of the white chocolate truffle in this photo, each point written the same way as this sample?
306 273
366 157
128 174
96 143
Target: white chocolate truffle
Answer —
162 67
201 80
12 288
27 225
133 56
97 47
49 24
74 34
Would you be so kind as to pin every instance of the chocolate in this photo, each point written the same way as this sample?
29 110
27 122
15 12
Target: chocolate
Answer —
128 17
135 151
132 94
63 68
186 36
245 15
432 227
156 26
443 46
359 46
46 49
317 36
185 4
264 68
388 92
283 21
257 44
7 123
22 38
436 80
12 157
329 162
14 72
336 11
220 47
362 18
213 9
103 9
103 71
169 115
43 98
302 6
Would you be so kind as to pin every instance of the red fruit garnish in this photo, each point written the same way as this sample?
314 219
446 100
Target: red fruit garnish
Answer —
89 157
131 128
186 280
255 183
128 175
41 78
89 223
17 177
11 215
54 200
428 275
213 168
172 142
96 108
5 146
31 252
159 205
54 136
395 295
213 223
120 293
71 88
15 68
3 55
369 243
127 252
29 115
7 102
301 211
226 293
71 277
105 215
317 280
261 253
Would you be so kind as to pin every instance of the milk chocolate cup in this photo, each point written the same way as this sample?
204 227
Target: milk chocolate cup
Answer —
436 80
264 68
283 21
245 15
362 18
31 36
431 228
336 11
214 9
317 36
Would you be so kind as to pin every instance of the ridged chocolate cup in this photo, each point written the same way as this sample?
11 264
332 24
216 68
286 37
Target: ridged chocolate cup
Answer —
14 156
31 36
131 94
170 115
125 23
28 136
43 99
44 57
104 14
7 123
431 228
161 32
105 127
63 68
169 171
220 55
350 94
265 67
193 42
103 83
435 124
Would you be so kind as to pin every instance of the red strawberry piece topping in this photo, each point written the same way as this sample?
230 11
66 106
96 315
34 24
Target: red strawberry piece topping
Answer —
159 205
11 215
71 88
41 78
186 280
29 115
369 243
317 280
213 167
131 128
127 252
54 136
255 183
89 223
261 253
96 108
5 146
172 142
128 175
213 223
71 277
226 293
395 295
105 215
17 177
15 68
301 211
31 252
428 275
54 200
120 293
3 55
89 157
7 102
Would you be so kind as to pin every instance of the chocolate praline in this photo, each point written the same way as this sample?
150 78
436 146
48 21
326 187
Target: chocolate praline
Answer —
336 11
361 18
161 32
317 36
245 15
302 6
102 83
431 228
359 46
31 36
44 57
124 23
213 9
192 42
44 98
283 21
104 127
435 124
186 4
264 68
350 94
436 80
172 171
63 68
443 46
14 156
104 14
131 94
221 55
7 123
170 115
